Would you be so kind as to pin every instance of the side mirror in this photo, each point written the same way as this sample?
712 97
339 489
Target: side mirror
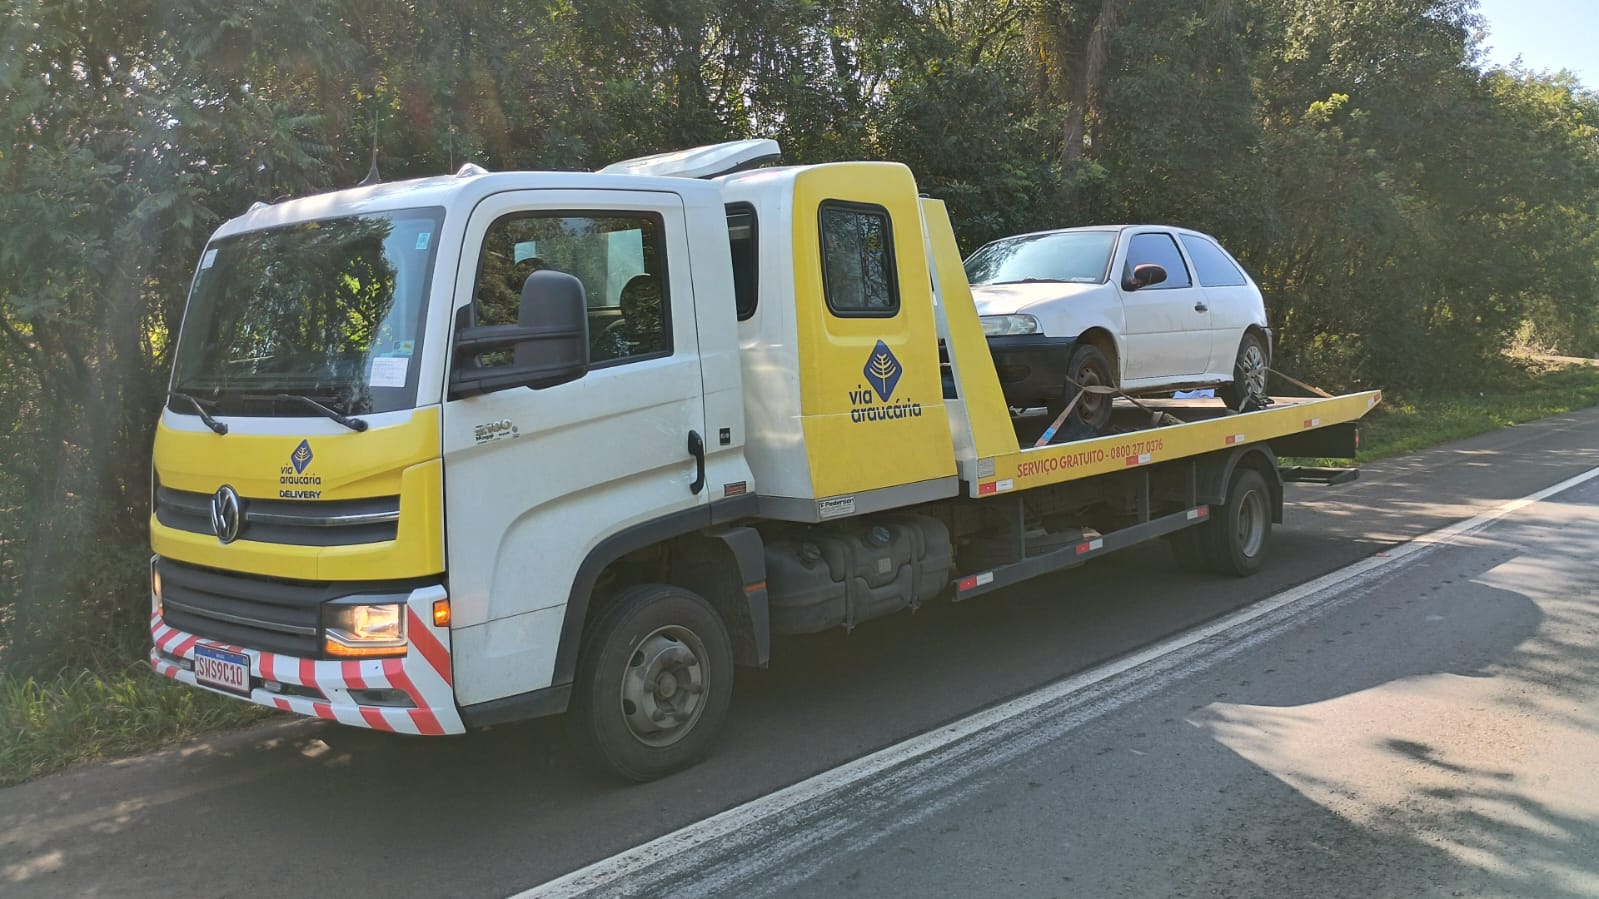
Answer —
549 343
1145 275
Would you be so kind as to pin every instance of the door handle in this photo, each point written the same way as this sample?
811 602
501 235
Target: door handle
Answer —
696 448
1201 307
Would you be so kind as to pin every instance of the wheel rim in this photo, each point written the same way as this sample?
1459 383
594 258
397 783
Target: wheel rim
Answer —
1092 404
663 686
1251 523
1252 369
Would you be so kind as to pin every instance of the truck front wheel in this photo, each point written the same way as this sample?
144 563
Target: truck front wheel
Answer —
653 683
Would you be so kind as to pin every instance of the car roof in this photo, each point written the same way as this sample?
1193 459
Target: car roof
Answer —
1174 228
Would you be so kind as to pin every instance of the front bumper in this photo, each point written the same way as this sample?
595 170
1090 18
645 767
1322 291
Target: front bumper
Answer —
1031 367
330 689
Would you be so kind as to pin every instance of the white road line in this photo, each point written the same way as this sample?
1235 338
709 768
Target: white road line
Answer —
768 812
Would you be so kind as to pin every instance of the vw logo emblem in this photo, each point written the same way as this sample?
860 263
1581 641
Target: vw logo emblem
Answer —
226 514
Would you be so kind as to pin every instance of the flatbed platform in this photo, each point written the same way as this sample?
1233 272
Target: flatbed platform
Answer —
1207 425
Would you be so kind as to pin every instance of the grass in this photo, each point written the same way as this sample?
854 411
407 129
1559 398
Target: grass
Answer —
46 726
1536 387
86 716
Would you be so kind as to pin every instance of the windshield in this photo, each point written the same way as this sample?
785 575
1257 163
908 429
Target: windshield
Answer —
1080 257
332 310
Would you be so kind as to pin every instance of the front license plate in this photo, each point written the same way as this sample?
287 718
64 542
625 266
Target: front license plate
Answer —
216 667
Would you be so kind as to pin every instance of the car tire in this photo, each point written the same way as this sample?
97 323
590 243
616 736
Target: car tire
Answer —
654 682
1247 390
1086 366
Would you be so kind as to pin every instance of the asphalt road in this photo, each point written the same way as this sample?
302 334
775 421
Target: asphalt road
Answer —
1367 749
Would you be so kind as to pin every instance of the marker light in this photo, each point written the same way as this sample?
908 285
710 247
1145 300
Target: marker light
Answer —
441 613
155 586
364 631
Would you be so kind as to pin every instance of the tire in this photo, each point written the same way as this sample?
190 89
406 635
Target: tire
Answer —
1086 365
653 683
1234 541
1248 387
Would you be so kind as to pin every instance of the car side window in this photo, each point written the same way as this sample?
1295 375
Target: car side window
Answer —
619 256
1161 250
1214 267
858 276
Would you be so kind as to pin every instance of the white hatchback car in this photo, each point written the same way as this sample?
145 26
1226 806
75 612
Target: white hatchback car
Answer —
1145 308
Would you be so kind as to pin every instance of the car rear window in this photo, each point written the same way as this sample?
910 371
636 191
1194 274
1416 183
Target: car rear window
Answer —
1214 267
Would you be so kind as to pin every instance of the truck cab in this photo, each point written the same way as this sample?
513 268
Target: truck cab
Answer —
432 413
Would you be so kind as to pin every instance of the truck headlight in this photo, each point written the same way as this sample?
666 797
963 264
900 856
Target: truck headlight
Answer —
363 631
1008 325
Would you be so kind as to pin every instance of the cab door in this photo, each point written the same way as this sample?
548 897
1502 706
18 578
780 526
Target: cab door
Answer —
534 478
1168 324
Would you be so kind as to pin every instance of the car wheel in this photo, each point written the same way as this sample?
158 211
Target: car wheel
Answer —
1087 367
1248 387
654 682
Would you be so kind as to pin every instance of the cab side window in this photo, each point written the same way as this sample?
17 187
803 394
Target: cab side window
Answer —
1162 251
858 275
619 256
741 239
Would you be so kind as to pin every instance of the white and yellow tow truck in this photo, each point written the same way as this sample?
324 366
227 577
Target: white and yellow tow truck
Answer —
461 450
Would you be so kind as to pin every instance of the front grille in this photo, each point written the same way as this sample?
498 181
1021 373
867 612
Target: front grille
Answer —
269 614
340 522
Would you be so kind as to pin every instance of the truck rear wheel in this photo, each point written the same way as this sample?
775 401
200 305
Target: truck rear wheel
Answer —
1239 530
1234 540
653 683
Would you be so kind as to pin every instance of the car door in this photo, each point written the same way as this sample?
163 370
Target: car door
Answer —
1234 302
1168 324
534 478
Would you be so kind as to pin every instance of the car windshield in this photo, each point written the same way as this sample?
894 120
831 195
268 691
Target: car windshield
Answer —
1079 257
332 310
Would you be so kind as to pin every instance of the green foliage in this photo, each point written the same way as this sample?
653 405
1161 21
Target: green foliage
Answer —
49 724
1407 213
1522 392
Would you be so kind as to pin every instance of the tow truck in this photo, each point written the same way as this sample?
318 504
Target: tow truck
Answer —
455 451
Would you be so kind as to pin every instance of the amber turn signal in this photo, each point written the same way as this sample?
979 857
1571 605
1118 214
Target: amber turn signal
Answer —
441 613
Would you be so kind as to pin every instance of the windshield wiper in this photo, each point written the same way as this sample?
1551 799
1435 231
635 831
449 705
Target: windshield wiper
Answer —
199 407
354 424
1032 281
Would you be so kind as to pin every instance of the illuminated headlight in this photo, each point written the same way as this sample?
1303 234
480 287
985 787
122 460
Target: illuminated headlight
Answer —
353 631
1008 325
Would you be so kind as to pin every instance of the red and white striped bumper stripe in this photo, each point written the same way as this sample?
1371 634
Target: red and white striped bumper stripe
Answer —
424 674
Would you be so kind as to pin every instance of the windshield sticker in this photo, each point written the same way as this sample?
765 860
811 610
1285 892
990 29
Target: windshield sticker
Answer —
388 371
209 259
422 240
407 347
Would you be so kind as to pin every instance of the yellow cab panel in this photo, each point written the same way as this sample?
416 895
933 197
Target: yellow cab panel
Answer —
871 395
399 462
